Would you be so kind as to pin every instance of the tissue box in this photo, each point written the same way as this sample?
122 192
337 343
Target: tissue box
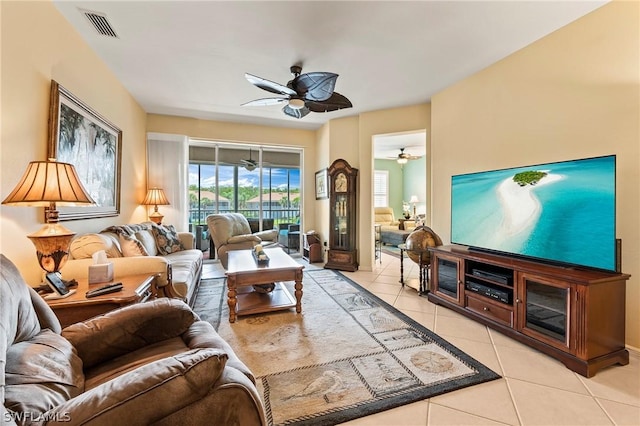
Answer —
101 273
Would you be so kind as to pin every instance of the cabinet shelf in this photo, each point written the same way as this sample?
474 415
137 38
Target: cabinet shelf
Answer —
574 315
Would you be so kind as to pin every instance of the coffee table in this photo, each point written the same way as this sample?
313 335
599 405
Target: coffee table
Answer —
244 272
77 308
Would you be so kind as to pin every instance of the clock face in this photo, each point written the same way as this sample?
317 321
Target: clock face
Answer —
341 183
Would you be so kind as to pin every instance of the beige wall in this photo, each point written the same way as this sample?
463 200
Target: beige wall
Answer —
38 45
573 94
395 120
351 138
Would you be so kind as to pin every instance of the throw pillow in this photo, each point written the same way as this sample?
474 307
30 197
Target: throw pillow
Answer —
167 239
148 241
131 246
84 246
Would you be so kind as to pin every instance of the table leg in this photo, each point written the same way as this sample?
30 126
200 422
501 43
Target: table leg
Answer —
298 292
232 301
420 286
402 267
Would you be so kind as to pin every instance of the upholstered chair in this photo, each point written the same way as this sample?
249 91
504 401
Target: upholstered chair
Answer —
148 363
231 231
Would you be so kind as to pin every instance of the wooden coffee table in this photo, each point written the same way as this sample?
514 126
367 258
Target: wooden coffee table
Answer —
244 272
77 308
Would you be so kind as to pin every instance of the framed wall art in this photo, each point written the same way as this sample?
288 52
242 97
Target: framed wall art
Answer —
82 137
322 191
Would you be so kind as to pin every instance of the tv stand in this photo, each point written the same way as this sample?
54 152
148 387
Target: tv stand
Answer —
574 315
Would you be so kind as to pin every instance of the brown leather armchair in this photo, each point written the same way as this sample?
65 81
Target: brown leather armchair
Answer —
231 231
149 363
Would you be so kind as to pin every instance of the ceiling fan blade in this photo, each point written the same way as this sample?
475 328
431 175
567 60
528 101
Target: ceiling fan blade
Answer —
295 113
315 86
335 102
265 102
269 86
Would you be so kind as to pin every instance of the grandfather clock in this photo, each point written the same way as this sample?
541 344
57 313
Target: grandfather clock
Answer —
343 254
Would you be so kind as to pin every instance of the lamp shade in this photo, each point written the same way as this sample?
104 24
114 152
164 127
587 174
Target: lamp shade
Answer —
414 199
46 182
155 197
50 183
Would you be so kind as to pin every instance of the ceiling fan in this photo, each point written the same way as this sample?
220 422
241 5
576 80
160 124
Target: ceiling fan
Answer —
404 157
249 164
305 93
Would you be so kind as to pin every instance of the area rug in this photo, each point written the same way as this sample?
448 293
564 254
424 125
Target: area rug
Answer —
347 355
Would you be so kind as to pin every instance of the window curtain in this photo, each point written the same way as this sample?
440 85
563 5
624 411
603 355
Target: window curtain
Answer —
167 168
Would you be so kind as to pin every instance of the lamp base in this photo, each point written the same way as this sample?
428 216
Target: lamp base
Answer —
156 217
52 246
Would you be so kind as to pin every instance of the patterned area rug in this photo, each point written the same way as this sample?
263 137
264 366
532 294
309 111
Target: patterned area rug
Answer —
347 355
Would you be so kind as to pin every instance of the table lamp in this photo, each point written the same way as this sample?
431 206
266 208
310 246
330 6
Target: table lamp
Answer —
414 200
155 197
49 184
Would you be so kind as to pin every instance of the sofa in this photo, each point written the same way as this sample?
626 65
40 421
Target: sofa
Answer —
144 248
231 231
385 217
392 232
150 363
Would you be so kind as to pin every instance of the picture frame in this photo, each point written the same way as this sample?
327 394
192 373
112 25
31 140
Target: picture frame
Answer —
322 185
80 136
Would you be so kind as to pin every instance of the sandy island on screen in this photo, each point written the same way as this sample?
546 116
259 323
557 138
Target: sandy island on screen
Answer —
520 206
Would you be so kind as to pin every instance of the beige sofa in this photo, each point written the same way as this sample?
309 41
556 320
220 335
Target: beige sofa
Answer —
148 363
143 248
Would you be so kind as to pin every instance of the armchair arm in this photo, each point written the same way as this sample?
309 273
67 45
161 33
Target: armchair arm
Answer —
242 238
146 394
127 329
187 239
268 235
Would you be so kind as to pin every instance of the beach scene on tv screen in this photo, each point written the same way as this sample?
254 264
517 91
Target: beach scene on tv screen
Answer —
563 212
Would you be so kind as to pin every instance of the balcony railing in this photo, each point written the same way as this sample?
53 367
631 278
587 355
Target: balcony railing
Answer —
199 216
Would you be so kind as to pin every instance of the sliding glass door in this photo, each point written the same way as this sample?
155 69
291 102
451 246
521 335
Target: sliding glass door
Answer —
262 183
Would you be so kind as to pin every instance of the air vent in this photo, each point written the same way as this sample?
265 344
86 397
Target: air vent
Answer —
100 23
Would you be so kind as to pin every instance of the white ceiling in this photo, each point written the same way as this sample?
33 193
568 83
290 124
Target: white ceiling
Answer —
188 58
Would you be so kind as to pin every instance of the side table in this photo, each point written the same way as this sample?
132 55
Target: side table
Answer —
423 268
77 308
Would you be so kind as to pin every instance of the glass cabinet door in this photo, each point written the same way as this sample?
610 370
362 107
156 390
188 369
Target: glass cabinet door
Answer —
341 223
546 311
447 281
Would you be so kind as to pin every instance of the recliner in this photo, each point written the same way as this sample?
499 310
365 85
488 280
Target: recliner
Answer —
231 231
148 363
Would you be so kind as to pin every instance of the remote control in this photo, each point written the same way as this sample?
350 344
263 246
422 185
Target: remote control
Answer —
110 288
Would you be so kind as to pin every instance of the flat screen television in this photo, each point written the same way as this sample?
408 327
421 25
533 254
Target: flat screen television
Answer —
561 212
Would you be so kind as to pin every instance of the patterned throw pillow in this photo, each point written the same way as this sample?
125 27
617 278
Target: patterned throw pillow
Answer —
167 240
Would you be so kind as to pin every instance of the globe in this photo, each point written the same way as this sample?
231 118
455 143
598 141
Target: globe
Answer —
419 241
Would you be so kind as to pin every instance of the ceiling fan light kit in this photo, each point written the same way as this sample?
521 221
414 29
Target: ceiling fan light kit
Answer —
296 103
309 92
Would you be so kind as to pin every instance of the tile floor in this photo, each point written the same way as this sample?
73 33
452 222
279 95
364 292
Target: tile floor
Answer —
534 390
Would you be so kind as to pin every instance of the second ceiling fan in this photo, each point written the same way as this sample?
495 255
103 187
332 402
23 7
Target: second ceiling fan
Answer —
404 157
309 92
